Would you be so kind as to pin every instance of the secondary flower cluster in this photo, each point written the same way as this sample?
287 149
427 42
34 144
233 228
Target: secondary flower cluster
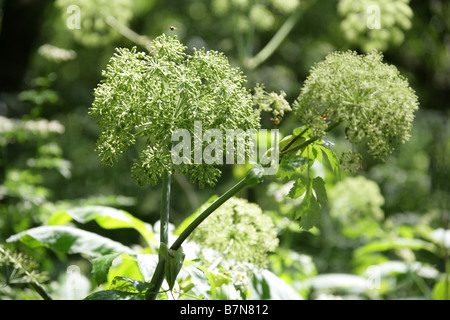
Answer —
151 96
239 231
372 100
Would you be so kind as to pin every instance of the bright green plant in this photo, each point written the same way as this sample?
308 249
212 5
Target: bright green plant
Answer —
146 97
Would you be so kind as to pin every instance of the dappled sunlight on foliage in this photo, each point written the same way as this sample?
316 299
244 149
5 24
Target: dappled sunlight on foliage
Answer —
346 197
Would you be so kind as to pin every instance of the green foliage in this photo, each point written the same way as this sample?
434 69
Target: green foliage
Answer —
101 266
309 210
170 90
22 130
379 237
106 217
69 240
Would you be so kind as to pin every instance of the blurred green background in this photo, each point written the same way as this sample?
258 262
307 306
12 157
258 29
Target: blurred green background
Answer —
49 67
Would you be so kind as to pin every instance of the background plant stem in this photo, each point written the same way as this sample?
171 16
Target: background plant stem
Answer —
275 42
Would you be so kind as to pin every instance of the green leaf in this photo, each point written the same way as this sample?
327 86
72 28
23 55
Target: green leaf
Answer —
255 175
128 267
115 295
174 261
69 240
106 217
147 265
297 131
100 267
291 163
309 211
130 285
266 285
299 188
332 159
319 187
397 243
439 290
216 280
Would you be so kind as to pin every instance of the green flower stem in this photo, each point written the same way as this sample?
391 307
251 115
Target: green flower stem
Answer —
165 207
307 142
128 33
158 276
275 42
41 291
295 139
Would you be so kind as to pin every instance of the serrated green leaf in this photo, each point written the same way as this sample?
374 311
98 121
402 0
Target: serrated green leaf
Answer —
115 295
319 187
106 217
310 154
69 240
299 188
332 159
100 267
318 152
291 163
309 211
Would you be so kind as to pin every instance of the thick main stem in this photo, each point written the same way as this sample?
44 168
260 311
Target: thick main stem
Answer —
158 276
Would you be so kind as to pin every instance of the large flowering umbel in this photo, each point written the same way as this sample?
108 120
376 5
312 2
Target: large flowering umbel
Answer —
151 96
238 231
372 100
